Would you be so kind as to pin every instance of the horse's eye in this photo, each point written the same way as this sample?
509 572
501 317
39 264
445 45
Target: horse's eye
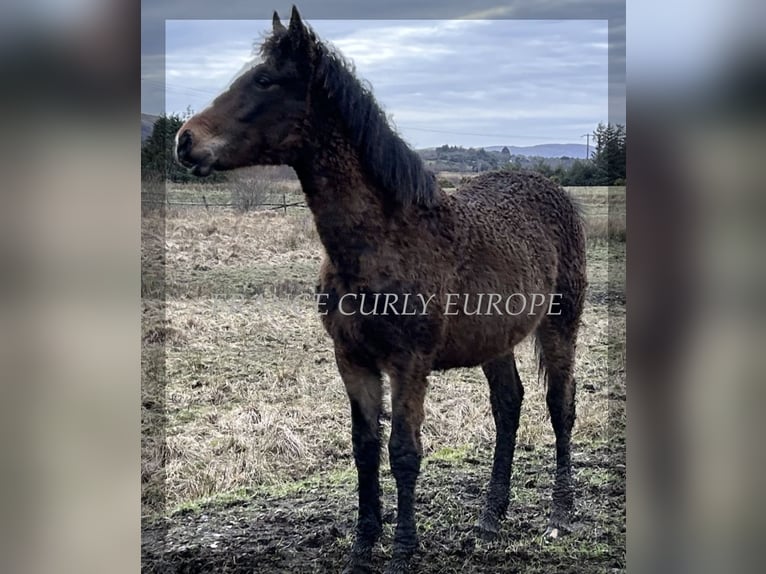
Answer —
262 81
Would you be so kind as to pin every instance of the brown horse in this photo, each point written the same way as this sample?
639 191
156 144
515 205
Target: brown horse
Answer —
406 266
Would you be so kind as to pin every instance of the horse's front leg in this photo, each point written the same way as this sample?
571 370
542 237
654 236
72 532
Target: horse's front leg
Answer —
408 390
365 392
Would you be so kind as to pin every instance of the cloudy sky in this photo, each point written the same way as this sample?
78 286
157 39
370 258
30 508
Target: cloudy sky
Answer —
468 82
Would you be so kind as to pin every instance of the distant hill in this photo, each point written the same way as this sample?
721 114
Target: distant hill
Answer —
147 124
552 150
460 159
545 150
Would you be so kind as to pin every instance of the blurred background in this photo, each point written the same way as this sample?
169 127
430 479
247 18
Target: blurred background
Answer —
696 83
70 256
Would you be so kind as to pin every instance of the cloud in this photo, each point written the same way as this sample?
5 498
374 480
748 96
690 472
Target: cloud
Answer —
469 82
425 41
206 68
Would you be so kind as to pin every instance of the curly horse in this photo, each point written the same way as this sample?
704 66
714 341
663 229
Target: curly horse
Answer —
388 229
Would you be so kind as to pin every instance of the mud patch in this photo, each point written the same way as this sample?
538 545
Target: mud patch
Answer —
310 529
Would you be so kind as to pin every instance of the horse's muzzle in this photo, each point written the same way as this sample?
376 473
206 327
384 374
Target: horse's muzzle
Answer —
184 152
184 145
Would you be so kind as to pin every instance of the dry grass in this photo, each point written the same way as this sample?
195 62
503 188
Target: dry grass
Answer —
606 227
252 394
604 211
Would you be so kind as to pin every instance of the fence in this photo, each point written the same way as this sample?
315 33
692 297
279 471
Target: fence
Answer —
265 206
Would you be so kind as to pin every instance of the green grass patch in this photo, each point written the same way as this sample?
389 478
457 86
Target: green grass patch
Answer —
343 477
449 454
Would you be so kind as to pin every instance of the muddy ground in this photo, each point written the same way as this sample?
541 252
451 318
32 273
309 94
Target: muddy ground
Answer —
309 528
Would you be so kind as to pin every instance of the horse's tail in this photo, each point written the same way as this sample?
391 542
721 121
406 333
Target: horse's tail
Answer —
542 372
570 286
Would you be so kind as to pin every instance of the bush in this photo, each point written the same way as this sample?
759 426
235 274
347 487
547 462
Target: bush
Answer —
249 193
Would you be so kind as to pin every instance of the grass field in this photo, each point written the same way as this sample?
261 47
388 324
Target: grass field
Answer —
255 439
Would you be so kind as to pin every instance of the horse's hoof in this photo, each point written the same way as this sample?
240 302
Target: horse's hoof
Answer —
357 568
486 532
487 528
560 521
552 532
359 562
557 529
399 565
486 535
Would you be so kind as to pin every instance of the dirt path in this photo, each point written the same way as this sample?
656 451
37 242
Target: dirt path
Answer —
309 530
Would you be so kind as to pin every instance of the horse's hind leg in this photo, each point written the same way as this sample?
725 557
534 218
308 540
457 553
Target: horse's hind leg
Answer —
556 340
506 394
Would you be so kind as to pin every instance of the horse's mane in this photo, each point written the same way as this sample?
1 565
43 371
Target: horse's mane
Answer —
385 157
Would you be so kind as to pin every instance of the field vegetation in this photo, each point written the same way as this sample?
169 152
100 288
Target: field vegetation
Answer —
247 462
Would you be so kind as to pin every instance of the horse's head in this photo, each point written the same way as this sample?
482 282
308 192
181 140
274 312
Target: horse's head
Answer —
259 119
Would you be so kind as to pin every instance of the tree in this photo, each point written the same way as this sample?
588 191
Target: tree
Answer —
609 155
540 166
581 173
157 161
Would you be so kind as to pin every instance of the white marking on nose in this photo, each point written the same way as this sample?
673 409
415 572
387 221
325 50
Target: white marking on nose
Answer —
175 147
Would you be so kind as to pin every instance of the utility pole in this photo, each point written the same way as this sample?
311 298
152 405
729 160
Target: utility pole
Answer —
587 145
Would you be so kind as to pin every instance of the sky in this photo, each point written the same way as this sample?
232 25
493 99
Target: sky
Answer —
460 82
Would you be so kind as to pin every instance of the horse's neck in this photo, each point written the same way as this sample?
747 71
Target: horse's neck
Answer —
348 212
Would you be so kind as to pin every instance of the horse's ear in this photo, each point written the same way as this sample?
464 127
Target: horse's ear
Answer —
298 33
277 23
296 25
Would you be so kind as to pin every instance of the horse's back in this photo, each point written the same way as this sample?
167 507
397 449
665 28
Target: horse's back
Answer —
520 234
512 209
520 195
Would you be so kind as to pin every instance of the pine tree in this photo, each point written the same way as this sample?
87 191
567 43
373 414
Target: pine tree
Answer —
609 155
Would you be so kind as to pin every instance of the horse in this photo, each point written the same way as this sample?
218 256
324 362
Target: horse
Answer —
388 229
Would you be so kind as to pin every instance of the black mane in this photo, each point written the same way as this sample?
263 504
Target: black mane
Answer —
385 157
